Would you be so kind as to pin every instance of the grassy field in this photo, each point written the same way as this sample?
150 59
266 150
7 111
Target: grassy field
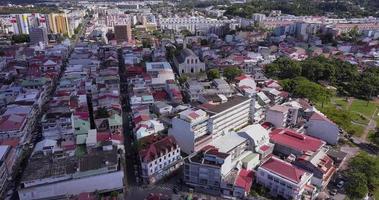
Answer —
352 117
361 106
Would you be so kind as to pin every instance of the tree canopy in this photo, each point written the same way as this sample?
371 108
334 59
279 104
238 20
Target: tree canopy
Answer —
213 74
343 75
362 175
231 72
303 88
348 9
21 38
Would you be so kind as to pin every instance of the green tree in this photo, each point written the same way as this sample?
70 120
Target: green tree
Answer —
213 74
146 43
231 72
21 38
369 166
283 67
102 112
303 88
356 186
182 79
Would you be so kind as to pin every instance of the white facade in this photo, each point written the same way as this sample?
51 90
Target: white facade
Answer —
324 130
187 130
232 118
189 63
160 164
195 24
280 185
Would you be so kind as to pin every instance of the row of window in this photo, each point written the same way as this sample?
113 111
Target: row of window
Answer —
279 182
164 157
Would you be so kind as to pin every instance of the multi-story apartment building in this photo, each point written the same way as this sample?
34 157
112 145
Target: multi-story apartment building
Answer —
197 25
159 156
282 116
216 169
234 114
194 129
190 130
284 179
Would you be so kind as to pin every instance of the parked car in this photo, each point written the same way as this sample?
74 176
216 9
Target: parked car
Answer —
340 184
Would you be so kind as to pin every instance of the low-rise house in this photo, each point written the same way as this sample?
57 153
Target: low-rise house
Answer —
320 165
259 139
146 128
284 179
159 156
13 125
161 108
59 175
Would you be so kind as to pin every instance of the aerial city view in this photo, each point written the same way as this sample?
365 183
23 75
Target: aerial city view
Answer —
189 99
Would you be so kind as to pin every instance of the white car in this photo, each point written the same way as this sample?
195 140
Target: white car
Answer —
340 184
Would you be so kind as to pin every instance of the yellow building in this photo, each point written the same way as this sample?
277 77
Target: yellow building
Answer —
58 23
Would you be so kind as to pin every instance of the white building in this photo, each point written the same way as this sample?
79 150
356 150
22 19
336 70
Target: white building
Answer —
188 62
159 156
231 115
57 175
217 169
282 116
197 25
321 127
159 72
194 129
284 179
190 130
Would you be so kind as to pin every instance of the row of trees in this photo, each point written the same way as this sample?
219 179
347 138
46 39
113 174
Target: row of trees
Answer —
345 76
306 7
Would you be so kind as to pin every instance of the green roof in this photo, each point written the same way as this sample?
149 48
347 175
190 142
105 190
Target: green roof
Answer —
81 126
34 82
249 157
81 139
115 120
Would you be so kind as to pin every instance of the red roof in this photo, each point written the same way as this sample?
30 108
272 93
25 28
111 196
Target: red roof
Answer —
160 95
294 140
141 118
283 169
239 78
103 136
155 145
264 147
12 122
245 179
318 116
13 142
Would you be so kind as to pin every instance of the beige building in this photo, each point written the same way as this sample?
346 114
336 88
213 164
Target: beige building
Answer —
58 23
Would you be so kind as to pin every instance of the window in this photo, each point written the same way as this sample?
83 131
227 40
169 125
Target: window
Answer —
191 70
269 177
151 164
155 162
160 159
164 157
